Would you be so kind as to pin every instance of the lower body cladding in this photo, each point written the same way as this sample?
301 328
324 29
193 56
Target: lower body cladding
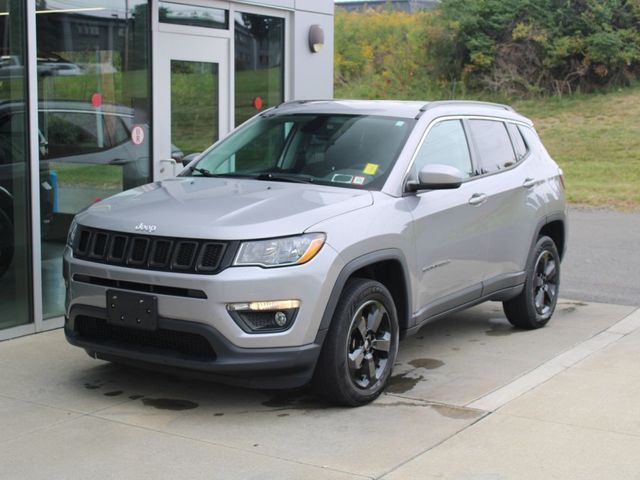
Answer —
194 325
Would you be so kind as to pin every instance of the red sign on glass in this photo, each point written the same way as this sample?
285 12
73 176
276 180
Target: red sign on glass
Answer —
137 135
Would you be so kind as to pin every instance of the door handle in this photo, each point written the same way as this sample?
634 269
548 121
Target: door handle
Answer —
529 182
477 199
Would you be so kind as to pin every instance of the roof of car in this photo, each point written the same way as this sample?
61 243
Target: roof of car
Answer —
392 108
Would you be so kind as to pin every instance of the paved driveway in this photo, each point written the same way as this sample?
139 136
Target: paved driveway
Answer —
603 257
65 415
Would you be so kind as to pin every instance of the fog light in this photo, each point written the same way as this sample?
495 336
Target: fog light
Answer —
264 317
280 318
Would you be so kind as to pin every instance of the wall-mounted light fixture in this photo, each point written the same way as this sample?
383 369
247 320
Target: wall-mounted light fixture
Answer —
316 38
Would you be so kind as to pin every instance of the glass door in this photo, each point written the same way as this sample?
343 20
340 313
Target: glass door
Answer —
194 111
15 243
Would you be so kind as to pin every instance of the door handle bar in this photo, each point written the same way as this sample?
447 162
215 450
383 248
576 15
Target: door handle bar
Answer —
477 199
529 182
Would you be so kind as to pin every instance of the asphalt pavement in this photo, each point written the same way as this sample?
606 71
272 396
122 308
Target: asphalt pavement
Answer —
603 257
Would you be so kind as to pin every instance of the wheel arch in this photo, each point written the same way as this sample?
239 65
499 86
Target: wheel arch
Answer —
388 267
554 226
555 229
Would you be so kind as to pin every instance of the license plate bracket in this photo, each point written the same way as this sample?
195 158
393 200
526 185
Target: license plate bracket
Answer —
132 310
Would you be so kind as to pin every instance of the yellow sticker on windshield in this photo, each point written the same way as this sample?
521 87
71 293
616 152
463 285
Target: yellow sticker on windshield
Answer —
370 168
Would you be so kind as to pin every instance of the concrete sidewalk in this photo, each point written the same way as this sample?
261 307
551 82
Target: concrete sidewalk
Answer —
582 423
471 398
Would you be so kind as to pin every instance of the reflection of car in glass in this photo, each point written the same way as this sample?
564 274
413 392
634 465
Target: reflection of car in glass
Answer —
11 66
13 170
63 68
79 133
307 242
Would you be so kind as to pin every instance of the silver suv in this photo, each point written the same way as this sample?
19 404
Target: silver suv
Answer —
305 244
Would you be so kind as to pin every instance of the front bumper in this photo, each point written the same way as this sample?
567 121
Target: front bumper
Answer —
196 335
192 349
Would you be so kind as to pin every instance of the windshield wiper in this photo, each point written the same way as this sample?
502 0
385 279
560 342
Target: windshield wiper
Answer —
283 177
203 171
275 177
206 173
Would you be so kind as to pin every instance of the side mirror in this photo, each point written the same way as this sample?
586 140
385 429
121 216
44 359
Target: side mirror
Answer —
437 177
189 158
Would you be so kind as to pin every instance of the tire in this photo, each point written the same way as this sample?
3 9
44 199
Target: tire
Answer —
6 243
361 345
535 305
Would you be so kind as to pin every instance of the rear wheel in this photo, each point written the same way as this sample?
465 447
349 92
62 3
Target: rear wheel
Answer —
536 303
361 345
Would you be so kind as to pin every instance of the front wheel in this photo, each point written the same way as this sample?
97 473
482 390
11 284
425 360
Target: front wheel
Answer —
361 345
536 303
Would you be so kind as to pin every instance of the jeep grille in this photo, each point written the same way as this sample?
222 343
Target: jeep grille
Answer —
149 252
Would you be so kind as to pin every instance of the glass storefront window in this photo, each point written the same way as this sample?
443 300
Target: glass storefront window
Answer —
194 106
259 63
93 88
193 15
15 252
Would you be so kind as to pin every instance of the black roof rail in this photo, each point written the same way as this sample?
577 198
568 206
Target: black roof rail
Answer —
471 103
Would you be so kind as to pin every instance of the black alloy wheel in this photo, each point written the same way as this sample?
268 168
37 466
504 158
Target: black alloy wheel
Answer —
545 284
535 304
361 345
369 344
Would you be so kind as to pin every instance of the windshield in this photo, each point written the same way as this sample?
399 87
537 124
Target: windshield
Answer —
354 151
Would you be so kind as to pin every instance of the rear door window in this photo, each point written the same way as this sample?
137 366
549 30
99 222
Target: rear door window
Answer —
494 145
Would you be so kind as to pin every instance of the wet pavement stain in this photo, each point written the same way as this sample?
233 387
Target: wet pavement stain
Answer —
500 330
570 307
299 399
169 404
135 397
399 404
115 393
401 383
426 363
458 413
93 385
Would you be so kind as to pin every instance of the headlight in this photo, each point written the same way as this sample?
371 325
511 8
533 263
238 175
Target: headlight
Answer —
71 236
278 252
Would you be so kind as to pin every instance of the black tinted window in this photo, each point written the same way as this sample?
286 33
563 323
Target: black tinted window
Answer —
518 142
445 144
494 145
72 133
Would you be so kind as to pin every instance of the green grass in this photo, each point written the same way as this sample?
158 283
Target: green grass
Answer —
596 140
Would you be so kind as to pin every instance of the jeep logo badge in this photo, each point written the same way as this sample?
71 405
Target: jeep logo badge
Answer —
141 227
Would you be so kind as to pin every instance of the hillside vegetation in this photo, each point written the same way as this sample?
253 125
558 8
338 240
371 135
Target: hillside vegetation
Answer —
506 47
585 100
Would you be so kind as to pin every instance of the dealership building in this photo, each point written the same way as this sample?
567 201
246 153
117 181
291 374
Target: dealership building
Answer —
98 96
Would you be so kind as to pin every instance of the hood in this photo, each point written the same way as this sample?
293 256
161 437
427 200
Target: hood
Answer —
222 209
